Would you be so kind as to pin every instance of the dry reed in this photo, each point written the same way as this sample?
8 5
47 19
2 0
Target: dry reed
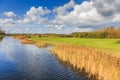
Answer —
118 41
19 37
95 62
41 44
24 39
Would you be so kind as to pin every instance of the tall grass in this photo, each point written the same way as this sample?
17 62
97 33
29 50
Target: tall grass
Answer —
96 62
41 44
27 40
118 41
24 39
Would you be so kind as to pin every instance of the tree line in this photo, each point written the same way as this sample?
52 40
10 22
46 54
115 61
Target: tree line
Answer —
2 32
109 32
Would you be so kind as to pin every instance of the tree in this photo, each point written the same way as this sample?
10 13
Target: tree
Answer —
1 32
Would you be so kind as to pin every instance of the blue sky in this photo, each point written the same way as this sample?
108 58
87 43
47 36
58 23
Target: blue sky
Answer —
21 6
57 16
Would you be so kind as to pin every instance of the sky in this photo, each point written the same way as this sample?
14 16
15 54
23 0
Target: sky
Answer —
58 16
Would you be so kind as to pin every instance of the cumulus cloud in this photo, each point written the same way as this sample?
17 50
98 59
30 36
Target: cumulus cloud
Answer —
35 15
9 14
82 29
107 7
62 10
91 13
83 14
80 16
6 21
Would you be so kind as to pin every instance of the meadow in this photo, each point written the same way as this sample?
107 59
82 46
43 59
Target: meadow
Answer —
106 44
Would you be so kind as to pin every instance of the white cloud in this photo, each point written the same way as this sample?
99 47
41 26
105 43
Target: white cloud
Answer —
9 14
82 29
107 7
59 27
80 16
35 15
6 21
88 14
83 14
62 10
37 11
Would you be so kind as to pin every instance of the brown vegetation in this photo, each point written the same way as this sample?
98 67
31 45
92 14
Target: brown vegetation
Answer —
118 41
94 61
24 39
41 44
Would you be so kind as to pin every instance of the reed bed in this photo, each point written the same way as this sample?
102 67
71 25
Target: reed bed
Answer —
118 41
94 61
41 44
26 41
19 37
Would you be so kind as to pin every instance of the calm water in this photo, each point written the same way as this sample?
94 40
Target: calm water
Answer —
28 62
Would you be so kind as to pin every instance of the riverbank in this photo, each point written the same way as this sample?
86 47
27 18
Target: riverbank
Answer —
1 37
93 58
105 44
94 61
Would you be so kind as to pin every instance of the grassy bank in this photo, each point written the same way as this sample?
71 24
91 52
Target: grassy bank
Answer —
107 44
27 40
99 57
94 61
1 37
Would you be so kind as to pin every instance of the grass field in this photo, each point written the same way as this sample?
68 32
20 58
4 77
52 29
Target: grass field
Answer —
109 44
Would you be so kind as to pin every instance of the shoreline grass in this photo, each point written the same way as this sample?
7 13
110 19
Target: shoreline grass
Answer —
26 40
99 57
94 61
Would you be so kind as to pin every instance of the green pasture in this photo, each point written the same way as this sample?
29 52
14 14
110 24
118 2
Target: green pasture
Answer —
91 42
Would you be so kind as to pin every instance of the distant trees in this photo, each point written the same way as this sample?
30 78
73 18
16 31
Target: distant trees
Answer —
2 32
109 32
54 35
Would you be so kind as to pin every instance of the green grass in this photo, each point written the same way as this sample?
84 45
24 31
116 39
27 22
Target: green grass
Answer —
91 42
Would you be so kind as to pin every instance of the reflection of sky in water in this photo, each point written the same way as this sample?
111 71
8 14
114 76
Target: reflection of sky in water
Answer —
8 47
6 66
21 61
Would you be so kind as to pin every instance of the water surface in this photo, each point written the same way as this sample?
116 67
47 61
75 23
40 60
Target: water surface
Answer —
28 62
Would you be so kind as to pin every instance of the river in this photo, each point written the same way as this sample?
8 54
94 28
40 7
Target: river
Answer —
28 62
